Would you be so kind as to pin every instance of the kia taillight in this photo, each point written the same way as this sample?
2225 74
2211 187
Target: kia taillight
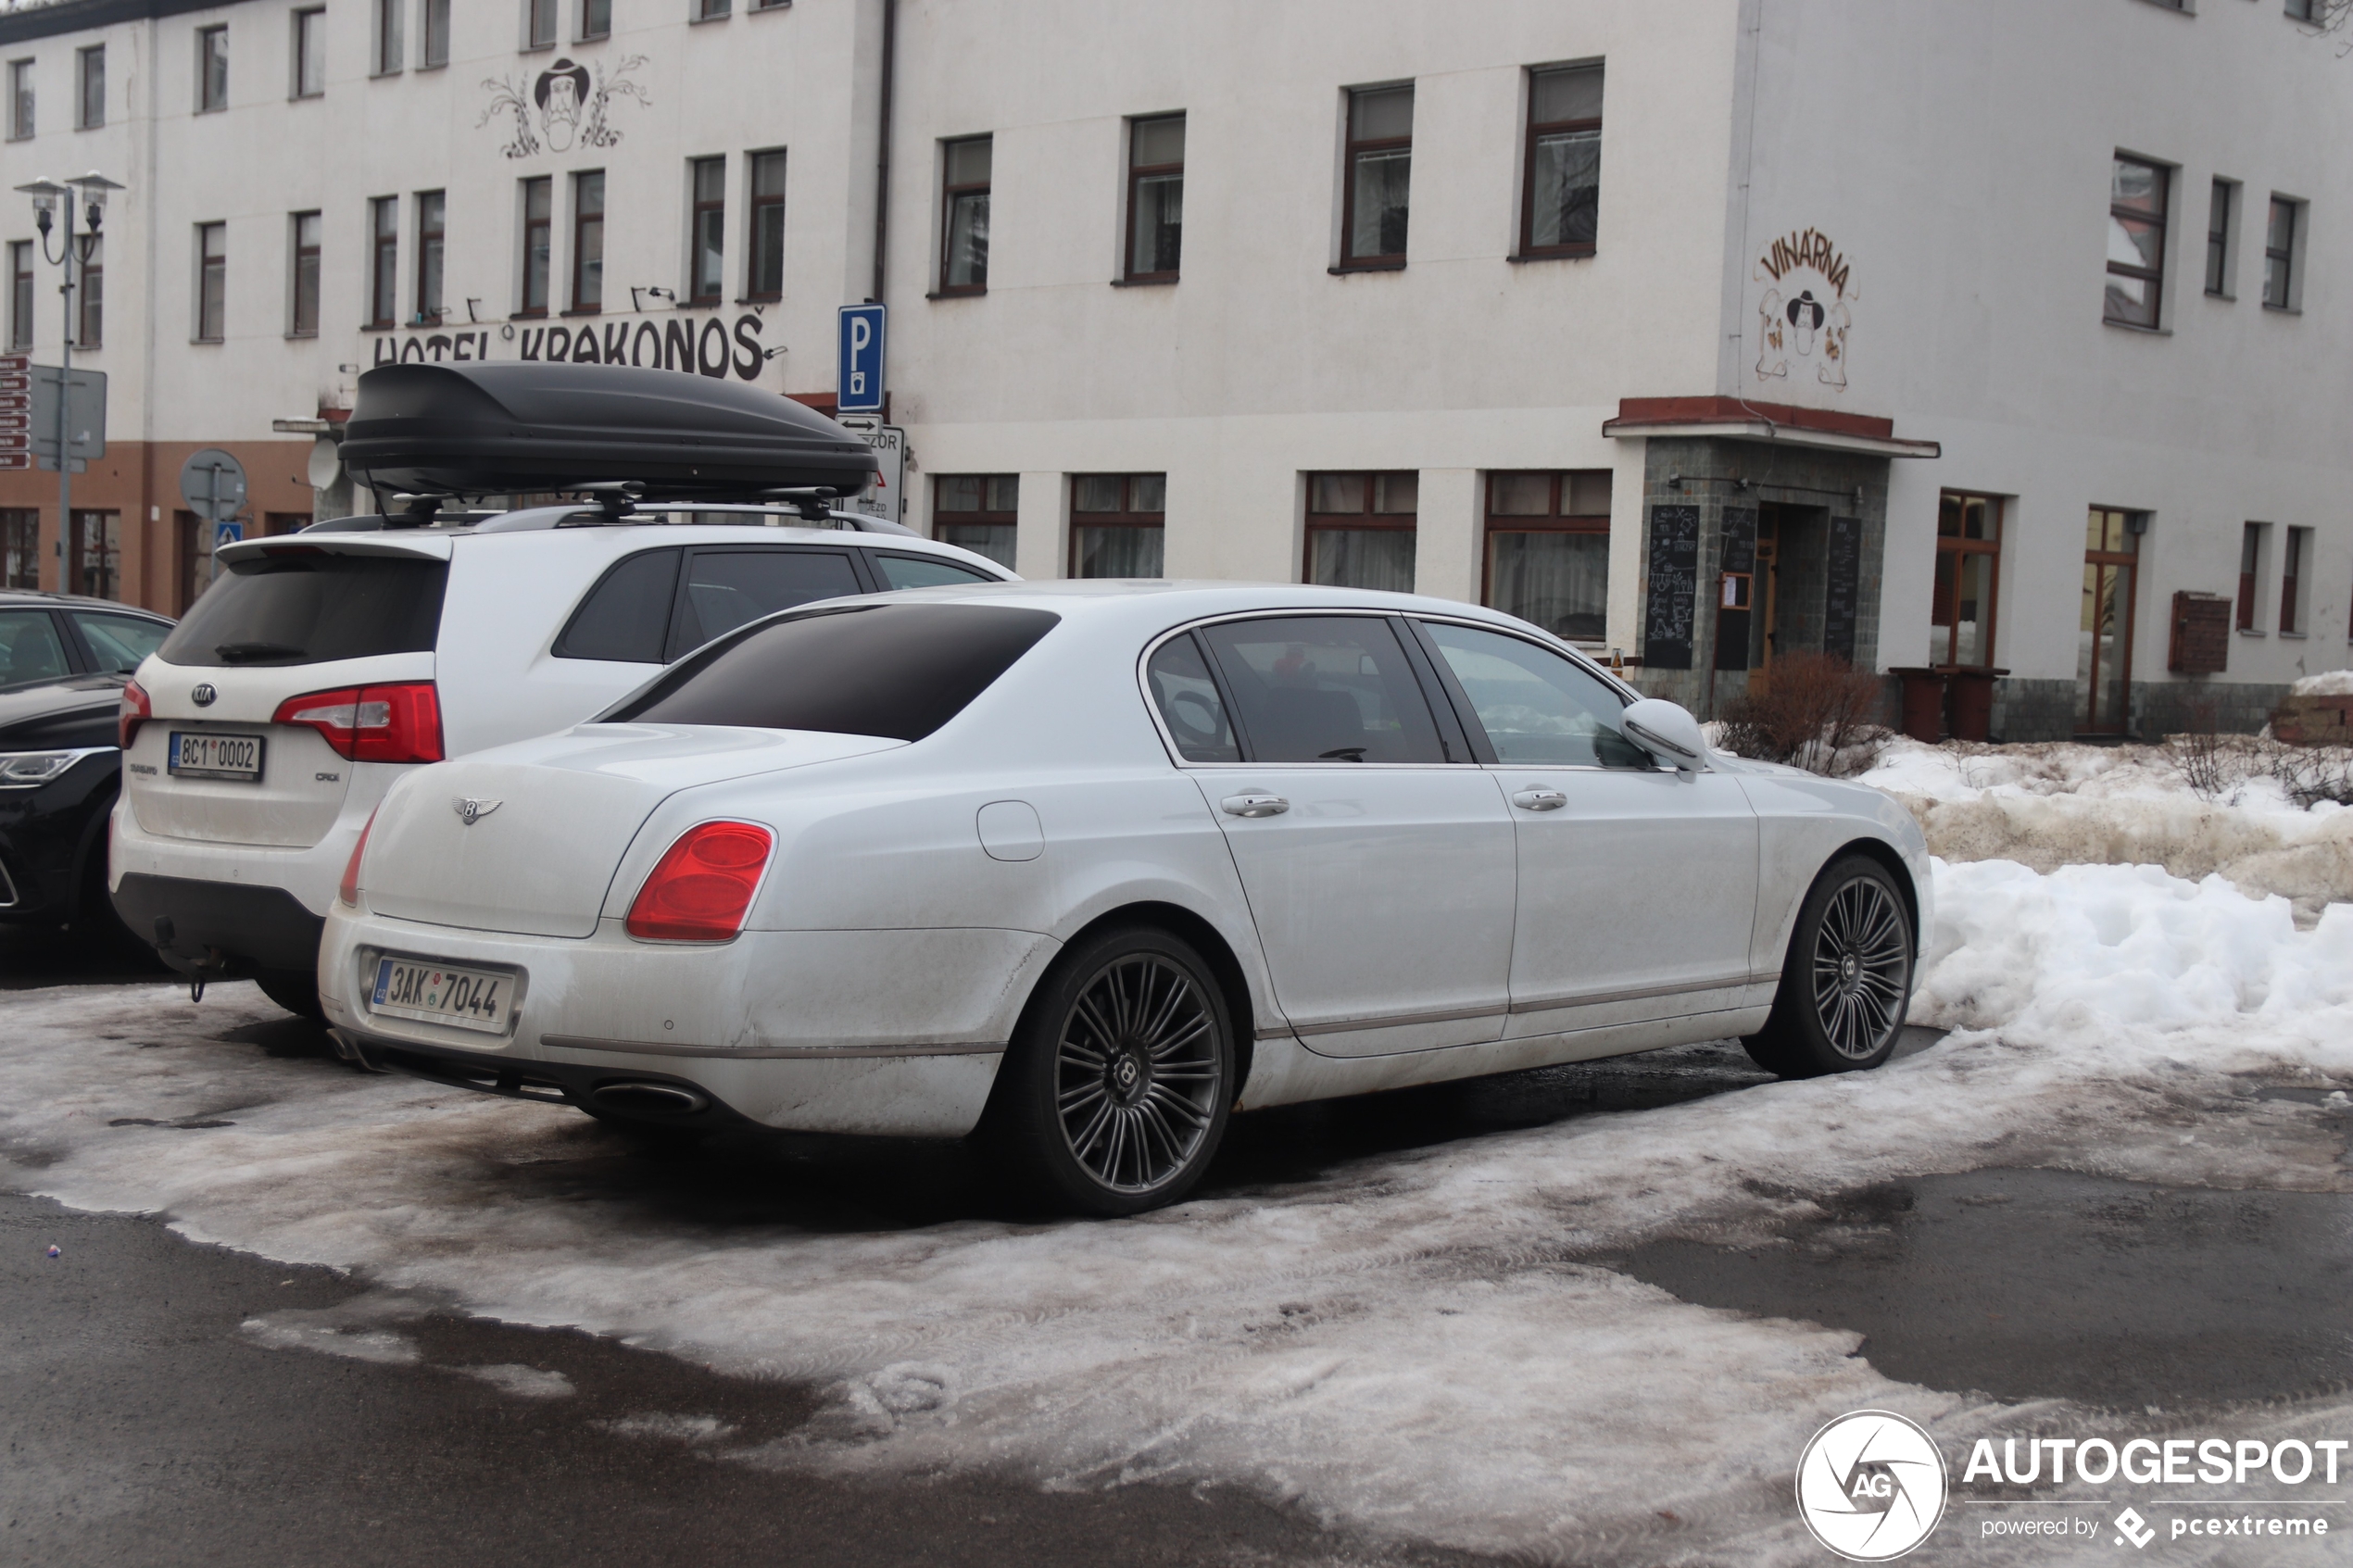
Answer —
396 724
136 711
348 890
703 887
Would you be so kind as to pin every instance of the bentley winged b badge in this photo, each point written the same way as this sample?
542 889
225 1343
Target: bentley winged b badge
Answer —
470 810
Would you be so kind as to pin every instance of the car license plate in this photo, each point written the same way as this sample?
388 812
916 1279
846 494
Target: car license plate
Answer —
216 757
470 998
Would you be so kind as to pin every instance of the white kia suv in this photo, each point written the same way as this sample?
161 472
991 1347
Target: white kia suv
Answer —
322 665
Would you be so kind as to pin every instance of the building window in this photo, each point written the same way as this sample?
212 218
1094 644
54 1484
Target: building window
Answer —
1548 550
589 241
596 19
964 195
2217 239
1379 175
977 512
213 69
2307 10
1155 197
1560 213
432 211
383 266
435 15
1968 566
21 546
212 280
539 24
2295 547
303 318
384 39
90 94
538 201
1117 524
21 294
90 299
311 52
93 559
2279 254
706 231
765 278
1360 530
2104 650
2252 538
2135 241
710 10
19 100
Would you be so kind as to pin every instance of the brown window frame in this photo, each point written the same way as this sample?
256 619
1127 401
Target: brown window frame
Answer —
1957 544
2129 561
433 241
2296 545
1528 249
2160 221
1127 517
108 558
207 39
542 20
1384 261
384 44
212 268
296 295
581 218
1361 521
22 296
309 25
986 516
2282 297
1137 174
433 29
543 226
699 210
759 205
384 263
22 101
2219 206
950 190
90 299
588 22
714 10
19 547
89 82
1554 520
2251 540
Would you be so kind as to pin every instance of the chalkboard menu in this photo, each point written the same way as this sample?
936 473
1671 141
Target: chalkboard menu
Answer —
1740 539
1674 586
1845 574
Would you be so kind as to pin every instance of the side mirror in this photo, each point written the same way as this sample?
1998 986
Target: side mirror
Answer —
1666 731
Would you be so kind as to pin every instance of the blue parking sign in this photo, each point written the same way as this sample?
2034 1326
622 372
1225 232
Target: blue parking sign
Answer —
860 375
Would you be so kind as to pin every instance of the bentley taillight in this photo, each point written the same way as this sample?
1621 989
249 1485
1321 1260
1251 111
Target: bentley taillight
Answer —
702 889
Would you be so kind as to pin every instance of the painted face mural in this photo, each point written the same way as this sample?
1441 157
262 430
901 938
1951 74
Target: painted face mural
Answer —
562 92
1804 311
567 105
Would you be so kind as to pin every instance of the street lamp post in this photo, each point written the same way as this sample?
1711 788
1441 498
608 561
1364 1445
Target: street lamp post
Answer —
48 195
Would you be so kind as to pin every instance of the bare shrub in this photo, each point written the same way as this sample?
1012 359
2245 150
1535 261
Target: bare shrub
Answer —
2198 754
2313 774
1819 713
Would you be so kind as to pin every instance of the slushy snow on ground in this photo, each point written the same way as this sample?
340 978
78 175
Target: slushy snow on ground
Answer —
1411 1346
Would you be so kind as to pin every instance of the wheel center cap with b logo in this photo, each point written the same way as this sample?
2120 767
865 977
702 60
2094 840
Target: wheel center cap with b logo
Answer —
1126 1074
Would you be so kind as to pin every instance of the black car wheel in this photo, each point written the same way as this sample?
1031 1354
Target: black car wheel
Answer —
1847 979
1113 1095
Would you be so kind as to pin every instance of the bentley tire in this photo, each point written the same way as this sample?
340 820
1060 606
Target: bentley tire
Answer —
1847 979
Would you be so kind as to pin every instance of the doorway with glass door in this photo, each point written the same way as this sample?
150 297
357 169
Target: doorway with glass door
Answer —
2104 647
1769 593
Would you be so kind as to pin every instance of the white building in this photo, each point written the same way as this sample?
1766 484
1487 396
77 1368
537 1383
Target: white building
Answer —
1707 335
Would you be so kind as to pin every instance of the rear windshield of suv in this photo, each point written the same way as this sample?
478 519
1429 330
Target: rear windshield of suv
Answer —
898 670
287 609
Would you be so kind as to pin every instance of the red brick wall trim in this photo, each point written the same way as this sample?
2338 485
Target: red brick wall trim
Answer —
1711 410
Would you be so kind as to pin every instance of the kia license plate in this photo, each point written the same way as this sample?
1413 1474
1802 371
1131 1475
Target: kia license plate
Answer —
216 757
470 998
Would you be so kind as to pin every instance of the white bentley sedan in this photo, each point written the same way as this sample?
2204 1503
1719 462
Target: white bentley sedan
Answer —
1084 867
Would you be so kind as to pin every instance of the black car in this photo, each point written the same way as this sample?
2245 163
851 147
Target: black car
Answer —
63 662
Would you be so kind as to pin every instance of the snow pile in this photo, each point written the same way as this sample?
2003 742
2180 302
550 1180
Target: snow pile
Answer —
2052 805
1416 1346
2335 682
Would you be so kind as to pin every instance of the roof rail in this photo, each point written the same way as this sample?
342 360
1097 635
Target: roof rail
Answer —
642 514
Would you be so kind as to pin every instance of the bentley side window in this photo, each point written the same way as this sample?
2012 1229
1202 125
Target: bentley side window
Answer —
1536 707
1188 702
1324 688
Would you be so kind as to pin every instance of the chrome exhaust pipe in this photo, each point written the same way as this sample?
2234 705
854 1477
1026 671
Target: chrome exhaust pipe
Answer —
349 1047
655 1099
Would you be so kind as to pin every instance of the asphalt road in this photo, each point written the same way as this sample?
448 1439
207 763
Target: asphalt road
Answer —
143 1426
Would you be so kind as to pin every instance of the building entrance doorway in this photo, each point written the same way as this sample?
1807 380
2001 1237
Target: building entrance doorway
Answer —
1769 600
2104 647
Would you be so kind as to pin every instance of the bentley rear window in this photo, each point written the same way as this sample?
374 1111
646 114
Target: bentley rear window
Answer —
896 670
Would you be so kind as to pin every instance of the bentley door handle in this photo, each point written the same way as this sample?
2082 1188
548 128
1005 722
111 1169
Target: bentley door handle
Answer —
1540 800
1254 805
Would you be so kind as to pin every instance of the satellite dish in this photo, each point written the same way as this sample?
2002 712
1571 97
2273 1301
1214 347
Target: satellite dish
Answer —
213 483
326 463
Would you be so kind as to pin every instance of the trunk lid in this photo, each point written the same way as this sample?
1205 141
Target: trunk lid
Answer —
553 817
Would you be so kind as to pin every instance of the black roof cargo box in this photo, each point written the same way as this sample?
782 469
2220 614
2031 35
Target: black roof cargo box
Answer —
509 427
